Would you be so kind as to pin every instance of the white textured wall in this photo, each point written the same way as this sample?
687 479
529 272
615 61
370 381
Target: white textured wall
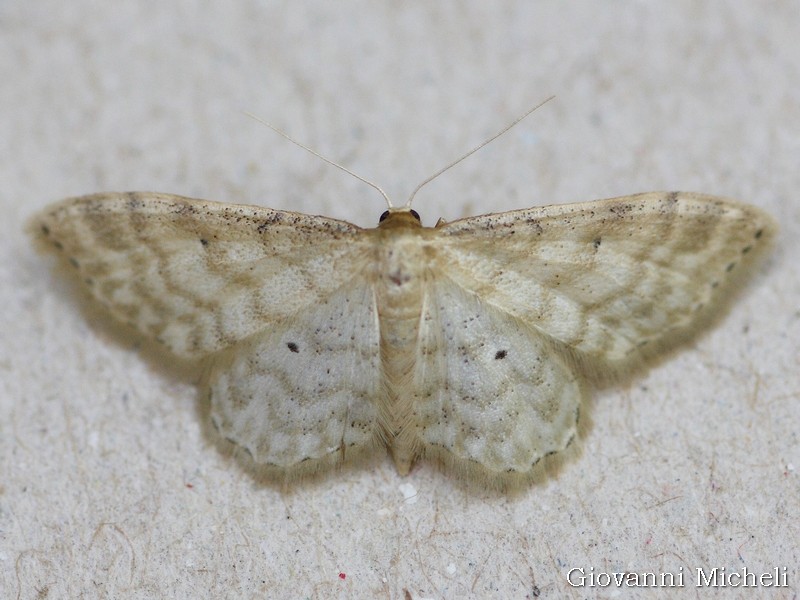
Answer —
110 479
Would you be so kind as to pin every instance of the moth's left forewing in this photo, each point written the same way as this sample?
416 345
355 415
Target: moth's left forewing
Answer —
197 275
606 279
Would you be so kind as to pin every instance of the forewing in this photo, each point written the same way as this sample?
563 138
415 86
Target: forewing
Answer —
487 389
304 392
198 275
605 278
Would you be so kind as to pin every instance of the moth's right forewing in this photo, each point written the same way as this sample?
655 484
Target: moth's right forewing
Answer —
607 278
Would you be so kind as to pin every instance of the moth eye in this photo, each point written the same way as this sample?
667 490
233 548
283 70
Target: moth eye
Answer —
383 216
415 214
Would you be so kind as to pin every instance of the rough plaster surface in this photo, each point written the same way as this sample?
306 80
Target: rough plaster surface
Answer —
111 482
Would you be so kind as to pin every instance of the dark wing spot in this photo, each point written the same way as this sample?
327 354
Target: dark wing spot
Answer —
759 233
596 243
45 230
293 347
204 242
746 249
729 268
500 355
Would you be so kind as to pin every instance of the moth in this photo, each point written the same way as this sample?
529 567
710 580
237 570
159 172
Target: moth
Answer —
467 343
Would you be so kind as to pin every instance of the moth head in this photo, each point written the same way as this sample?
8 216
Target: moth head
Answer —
399 217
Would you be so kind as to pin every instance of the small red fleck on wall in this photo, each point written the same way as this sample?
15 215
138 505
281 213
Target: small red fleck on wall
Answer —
342 575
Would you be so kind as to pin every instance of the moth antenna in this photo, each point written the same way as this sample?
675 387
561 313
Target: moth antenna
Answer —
318 155
474 150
